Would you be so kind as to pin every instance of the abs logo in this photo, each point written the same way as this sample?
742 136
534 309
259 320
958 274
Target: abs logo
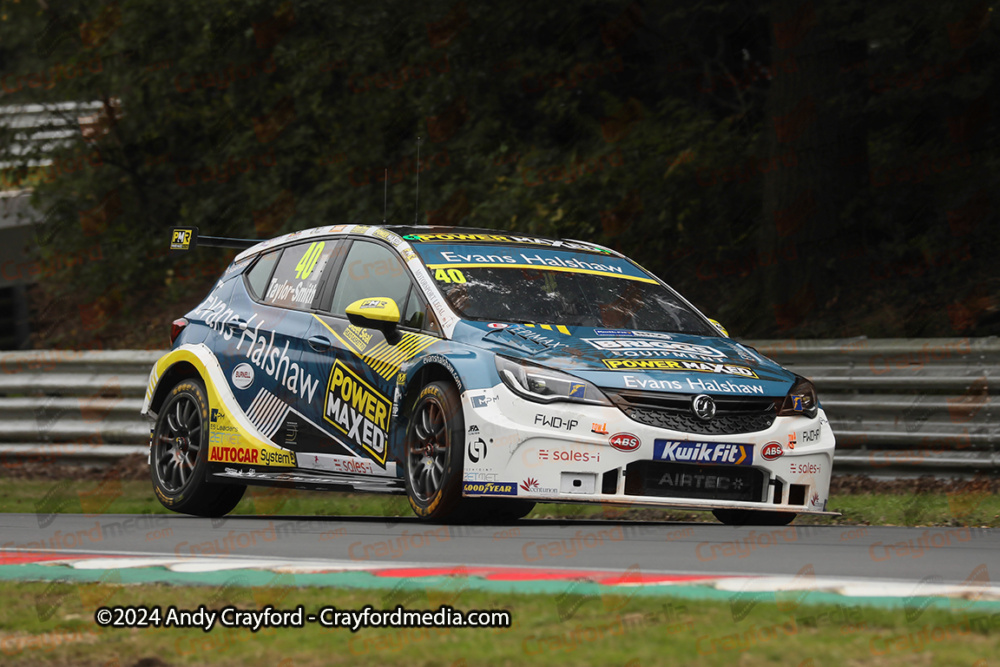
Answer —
771 451
624 442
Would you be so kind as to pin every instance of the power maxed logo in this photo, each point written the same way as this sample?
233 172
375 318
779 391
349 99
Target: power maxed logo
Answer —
684 451
490 488
672 365
358 411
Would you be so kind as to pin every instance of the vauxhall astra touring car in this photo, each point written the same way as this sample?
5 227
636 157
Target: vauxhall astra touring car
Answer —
477 372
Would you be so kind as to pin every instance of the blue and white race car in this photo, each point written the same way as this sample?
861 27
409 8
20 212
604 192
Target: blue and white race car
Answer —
478 372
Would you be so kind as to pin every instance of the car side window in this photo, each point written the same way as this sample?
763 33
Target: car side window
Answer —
296 278
414 313
371 270
258 275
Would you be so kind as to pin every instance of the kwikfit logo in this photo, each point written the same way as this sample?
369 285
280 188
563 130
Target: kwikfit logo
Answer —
685 451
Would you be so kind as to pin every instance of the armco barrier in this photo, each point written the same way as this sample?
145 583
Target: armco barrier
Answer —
71 405
897 406
901 406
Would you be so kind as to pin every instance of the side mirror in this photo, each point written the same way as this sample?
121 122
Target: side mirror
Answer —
718 326
379 313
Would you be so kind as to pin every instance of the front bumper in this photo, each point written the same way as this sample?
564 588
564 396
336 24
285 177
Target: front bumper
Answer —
557 453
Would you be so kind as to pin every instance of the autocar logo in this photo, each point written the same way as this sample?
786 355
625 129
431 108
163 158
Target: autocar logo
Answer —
703 407
771 451
624 442
243 376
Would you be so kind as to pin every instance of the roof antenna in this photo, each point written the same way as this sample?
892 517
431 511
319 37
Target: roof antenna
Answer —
416 204
385 196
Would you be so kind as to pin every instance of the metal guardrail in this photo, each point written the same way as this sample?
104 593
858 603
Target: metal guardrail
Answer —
898 407
37 130
72 405
901 406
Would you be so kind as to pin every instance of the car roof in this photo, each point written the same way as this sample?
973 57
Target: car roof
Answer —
400 231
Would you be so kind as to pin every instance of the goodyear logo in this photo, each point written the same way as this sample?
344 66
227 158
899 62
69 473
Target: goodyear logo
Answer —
490 488
675 365
358 411
181 239
685 451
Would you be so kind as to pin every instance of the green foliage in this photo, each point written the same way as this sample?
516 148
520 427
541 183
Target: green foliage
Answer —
637 125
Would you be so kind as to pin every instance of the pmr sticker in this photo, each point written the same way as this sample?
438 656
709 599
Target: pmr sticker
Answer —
180 238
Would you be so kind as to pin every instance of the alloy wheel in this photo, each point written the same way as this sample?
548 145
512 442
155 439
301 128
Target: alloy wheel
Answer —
178 442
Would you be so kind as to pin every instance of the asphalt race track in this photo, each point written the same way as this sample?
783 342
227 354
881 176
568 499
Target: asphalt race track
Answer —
942 555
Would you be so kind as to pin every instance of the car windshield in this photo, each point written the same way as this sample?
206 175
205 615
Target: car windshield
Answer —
506 283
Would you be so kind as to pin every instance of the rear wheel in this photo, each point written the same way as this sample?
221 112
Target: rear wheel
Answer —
179 456
754 517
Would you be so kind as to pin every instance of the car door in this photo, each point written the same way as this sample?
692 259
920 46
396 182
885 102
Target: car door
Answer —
358 364
264 367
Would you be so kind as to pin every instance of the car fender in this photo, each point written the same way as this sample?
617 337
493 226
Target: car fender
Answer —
232 437
467 367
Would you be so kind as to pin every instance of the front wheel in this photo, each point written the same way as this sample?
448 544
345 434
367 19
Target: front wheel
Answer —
434 450
179 456
754 517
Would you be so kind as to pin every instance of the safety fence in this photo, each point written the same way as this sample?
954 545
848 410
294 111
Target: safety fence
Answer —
898 407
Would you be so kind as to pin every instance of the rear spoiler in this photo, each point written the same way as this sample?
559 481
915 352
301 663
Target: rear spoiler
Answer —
183 239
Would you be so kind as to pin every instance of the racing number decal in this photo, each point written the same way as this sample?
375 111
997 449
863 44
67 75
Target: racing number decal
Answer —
449 276
308 261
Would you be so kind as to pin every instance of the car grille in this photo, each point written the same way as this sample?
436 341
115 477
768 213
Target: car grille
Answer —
673 411
684 480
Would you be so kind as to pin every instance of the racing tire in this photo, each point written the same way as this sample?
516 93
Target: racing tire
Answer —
178 456
754 517
434 451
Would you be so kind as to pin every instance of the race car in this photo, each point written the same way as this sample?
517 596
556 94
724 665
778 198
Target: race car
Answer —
478 372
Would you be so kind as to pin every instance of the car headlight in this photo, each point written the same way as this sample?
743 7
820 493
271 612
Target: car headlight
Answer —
544 385
801 400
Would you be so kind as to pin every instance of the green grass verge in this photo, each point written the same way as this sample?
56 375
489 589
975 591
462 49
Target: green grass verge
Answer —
52 624
136 497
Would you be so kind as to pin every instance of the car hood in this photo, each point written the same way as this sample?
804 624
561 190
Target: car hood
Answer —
639 360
